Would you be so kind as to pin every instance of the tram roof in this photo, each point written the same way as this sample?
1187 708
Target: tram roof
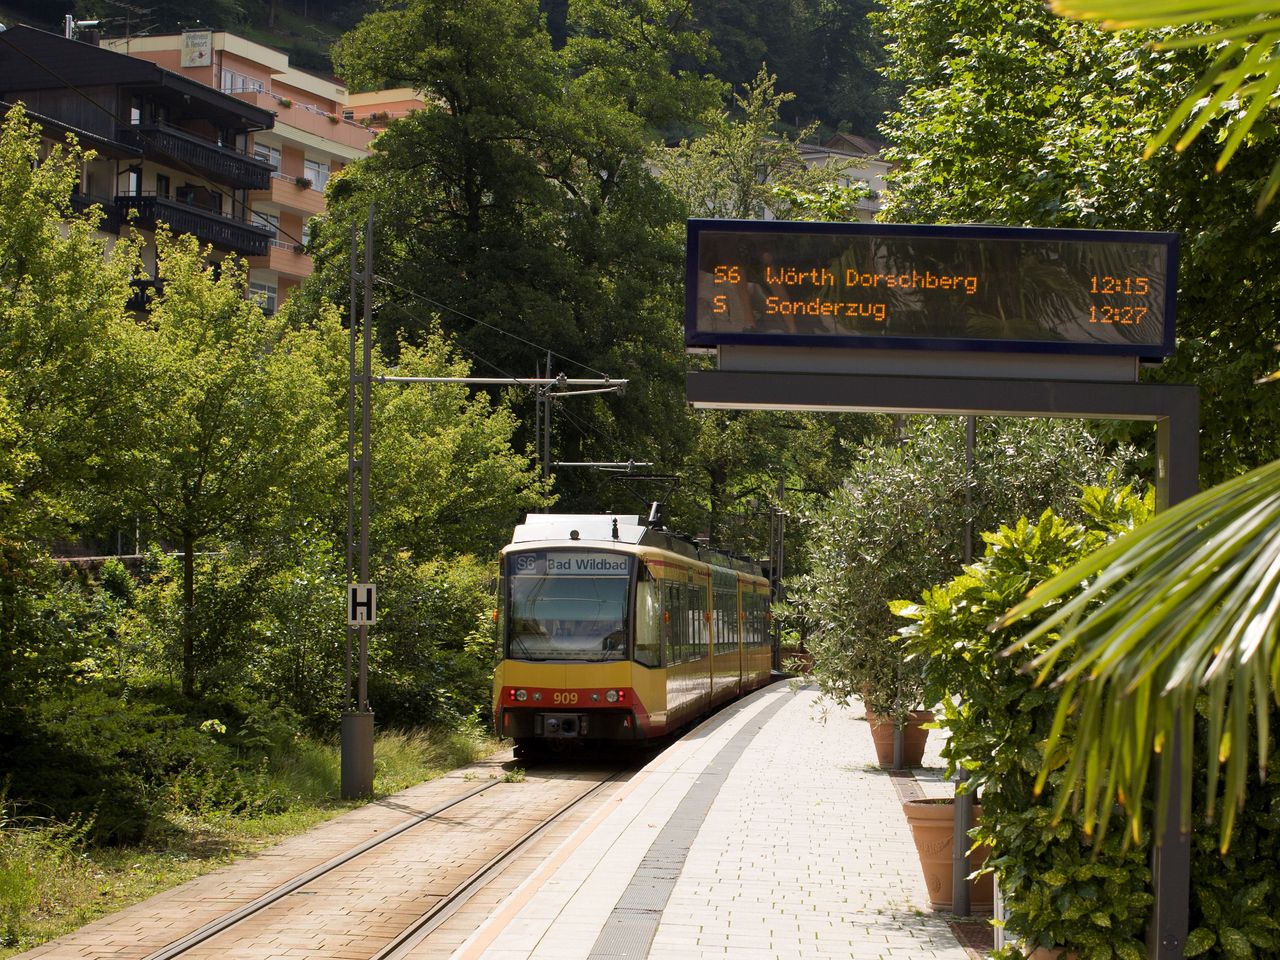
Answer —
581 526
598 528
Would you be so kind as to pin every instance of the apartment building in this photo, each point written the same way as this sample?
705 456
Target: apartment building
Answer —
308 141
377 108
863 161
168 149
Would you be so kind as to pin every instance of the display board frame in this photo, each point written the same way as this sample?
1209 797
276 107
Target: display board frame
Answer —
698 335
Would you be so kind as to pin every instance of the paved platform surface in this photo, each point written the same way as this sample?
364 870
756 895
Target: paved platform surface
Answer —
801 850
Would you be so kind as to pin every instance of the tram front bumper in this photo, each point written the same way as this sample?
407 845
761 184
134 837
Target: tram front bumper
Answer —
578 725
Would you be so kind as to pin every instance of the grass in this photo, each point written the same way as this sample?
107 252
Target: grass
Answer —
51 882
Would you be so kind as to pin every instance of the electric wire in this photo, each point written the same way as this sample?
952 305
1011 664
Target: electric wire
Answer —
484 323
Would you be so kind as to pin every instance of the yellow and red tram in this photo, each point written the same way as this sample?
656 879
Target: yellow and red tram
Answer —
613 629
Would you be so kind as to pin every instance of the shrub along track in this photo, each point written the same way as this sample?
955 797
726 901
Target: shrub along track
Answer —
390 894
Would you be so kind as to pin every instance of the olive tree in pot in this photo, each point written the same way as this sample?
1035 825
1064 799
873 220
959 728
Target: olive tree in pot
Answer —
897 524
1063 889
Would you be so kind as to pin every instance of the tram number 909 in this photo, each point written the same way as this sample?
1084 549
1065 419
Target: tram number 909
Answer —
563 698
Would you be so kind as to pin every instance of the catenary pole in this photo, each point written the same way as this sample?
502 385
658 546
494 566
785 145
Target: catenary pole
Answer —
357 721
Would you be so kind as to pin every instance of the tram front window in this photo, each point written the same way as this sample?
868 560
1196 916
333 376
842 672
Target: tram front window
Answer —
568 605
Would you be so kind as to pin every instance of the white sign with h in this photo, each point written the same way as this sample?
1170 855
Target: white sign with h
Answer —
362 604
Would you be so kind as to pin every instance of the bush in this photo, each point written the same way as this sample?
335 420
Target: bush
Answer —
1062 888
87 754
431 655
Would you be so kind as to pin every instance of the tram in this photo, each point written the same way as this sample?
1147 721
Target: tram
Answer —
613 629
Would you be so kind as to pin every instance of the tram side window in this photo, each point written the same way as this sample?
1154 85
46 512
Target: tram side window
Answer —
648 623
675 621
721 621
762 619
697 622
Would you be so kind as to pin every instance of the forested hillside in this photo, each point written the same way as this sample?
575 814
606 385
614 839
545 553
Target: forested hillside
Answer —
826 52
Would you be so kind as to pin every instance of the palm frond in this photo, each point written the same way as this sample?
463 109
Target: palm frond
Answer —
1185 607
1245 69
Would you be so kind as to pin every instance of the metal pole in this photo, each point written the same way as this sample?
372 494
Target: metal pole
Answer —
546 423
347 691
366 455
357 721
1177 469
964 801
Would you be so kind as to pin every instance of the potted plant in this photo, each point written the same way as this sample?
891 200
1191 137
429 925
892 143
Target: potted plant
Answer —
1062 888
303 182
932 822
284 101
891 692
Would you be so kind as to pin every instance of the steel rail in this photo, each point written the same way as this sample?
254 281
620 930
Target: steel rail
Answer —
214 927
406 941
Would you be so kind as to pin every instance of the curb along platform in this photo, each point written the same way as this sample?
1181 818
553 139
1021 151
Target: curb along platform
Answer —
767 832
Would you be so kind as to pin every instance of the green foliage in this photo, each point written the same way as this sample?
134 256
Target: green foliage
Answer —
526 200
1014 116
826 52
447 478
62 299
87 754
897 524
431 658
1061 889
740 166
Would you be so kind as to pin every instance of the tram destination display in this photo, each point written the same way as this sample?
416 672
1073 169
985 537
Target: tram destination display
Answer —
1101 292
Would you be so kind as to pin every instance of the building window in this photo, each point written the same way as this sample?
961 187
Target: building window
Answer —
265 294
232 82
268 154
306 233
162 186
269 220
317 173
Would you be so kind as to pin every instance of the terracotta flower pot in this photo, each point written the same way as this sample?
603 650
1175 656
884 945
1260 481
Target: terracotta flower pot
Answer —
933 829
913 738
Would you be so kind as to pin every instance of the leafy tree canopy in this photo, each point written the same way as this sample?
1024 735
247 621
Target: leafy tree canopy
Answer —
1015 116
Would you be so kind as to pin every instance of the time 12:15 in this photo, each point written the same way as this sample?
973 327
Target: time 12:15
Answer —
1130 286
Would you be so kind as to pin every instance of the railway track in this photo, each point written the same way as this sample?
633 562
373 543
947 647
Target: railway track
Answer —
385 898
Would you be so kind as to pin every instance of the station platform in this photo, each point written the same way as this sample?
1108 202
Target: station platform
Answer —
768 833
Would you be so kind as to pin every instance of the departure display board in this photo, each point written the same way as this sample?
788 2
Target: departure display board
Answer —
1102 292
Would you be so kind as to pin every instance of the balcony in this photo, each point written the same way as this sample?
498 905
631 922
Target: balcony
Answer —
160 141
110 222
205 225
312 120
285 193
286 259
143 292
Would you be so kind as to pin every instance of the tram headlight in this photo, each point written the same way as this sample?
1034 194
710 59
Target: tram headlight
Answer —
611 696
522 695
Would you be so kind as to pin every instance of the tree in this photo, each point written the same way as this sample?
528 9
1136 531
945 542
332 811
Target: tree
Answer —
238 435
62 386
61 311
1018 117
896 525
1244 68
522 206
738 168
825 52
446 479
1193 612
